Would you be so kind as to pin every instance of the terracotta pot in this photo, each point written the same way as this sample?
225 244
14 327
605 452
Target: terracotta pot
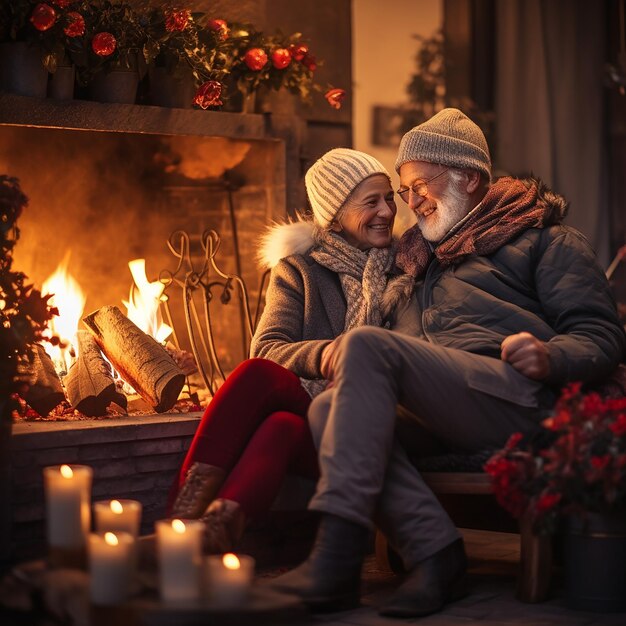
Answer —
594 558
21 70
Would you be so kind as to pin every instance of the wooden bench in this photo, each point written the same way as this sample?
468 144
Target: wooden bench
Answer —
468 499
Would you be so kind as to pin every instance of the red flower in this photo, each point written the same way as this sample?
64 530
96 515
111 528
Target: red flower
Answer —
514 439
255 59
600 462
220 27
43 17
75 24
298 52
281 58
335 97
310 62
62 4
104 44
618 427
176 21
546 501
208 94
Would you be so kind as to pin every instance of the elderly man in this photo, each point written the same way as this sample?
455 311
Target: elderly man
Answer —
510 305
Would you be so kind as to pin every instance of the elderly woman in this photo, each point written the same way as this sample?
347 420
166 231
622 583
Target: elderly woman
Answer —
328 276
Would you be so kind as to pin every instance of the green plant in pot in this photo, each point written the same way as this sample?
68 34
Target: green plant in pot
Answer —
572 475
37 38
113 44
183 53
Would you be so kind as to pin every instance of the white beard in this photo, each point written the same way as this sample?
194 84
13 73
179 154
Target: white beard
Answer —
451 209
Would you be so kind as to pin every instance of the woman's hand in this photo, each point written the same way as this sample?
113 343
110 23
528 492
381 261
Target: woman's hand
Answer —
527 355
329 356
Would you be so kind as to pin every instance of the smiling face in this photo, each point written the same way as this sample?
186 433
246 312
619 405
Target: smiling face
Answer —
366 219
446 202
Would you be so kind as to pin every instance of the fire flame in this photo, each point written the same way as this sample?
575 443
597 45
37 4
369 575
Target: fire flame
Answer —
143 303
69 298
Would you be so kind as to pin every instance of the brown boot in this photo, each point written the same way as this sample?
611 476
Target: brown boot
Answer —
199 489
224 523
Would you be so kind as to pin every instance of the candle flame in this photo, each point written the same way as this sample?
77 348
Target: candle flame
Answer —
116 506
66 471
231 561
178 526
111 539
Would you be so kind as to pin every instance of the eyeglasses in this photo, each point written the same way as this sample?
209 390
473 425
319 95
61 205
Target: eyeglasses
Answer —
419 187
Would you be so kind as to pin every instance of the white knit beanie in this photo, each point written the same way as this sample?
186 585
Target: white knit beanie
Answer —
334 176
449 138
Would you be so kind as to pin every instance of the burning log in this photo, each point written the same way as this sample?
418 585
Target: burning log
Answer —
139 359
89 383
45 390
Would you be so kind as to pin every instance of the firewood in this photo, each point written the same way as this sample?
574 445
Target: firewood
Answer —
139 359
89 383
45 391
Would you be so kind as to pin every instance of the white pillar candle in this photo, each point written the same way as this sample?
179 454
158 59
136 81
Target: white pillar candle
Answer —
118 516
180 558
68 495
229 578
110 565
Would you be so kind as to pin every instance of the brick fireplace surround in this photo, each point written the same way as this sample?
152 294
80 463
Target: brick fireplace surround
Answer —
132 457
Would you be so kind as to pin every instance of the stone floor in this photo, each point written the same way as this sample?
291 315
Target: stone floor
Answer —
493 565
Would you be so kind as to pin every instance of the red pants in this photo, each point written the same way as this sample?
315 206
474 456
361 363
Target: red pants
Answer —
255 429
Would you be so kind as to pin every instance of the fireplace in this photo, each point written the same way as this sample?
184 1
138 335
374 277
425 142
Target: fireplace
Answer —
110 183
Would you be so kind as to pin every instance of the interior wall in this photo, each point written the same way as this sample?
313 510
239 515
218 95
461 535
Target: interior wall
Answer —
383 60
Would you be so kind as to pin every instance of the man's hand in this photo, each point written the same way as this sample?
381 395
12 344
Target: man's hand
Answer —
329 355
527 355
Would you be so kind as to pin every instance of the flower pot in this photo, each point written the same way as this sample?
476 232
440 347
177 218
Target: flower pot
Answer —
61 83
594 558
117 85
21 70
237 102
279 102
168 90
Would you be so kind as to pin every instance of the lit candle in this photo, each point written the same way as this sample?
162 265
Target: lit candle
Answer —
180 557
229 578
68 495
110 564
118 515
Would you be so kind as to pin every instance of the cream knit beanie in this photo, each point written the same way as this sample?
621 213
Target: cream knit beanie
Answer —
449 138
334 176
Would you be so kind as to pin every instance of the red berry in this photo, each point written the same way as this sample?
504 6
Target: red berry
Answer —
208 94
219 26
43 17
309 62
299 51
255 59
281 58
104 44
75 24
176 21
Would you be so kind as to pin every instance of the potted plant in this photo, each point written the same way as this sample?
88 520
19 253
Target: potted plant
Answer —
37 38
574 471
24 315
110 58
183 53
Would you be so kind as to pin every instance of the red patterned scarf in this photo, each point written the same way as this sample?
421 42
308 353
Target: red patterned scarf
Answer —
510 207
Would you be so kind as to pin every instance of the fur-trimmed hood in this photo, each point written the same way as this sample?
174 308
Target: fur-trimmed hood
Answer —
283 240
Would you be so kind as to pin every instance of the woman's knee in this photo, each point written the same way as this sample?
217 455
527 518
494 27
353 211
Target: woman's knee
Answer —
317 415
259 371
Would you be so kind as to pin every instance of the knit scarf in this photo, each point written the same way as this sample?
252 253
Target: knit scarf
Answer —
510 207
363 276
